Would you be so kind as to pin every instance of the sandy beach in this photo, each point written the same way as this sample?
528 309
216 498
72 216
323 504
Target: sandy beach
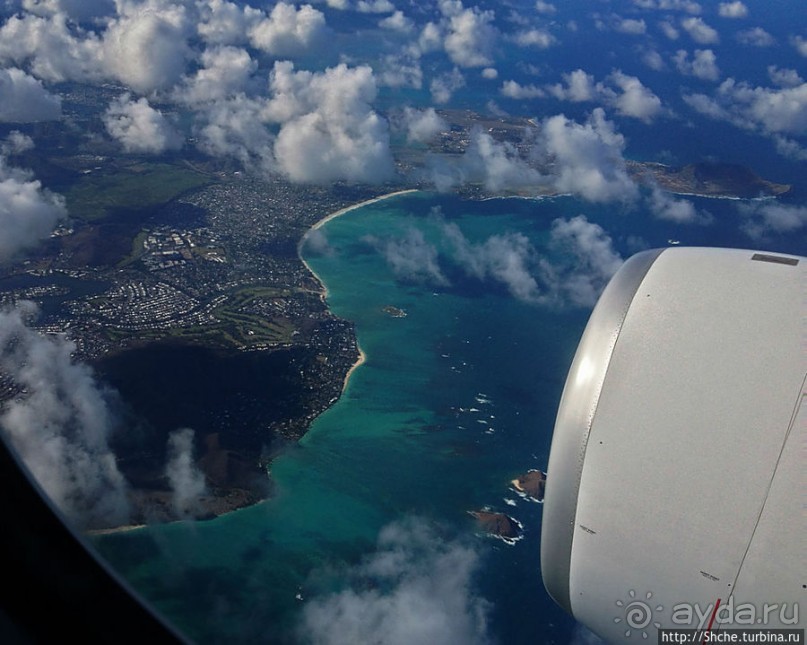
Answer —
323 289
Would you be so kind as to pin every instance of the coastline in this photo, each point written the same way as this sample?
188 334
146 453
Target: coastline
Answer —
323 291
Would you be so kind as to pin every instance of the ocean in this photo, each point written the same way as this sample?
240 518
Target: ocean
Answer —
455 399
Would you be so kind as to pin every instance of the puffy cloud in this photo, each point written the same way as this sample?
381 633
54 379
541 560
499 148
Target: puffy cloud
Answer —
61 425
699 31
506 259
669 30
497 165
400 71
226 23
769 110
329 130
545 8
625 93
423 125
688 6
586 159
636 100
583 260
52 49
764 218
23 99
28 212
470 34
790 148
15 143
375 6
443 87
225 71
139 127
79 11
800 44
734 9
490 73
703 64
681 211
514 90
185 478
579 87
784 77
412 257
146 47
288 31
539 38
590 262
397 22
416 587
653 59
631 26
756 37
237 127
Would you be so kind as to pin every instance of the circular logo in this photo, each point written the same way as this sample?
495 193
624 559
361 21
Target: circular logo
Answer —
637 614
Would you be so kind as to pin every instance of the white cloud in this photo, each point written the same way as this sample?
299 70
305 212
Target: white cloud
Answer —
329 130
653 60
699 31
416 588
586 159
288 31
580 87
470 34
397 22
667 207
756 37
375 6
590 264
411 257
139 127
625 93
402 70
734 9
773 111
507 259
61 426
443 87
514 90
669 30
52 49
636 100
224 71
186 480
423 125
764 218
226 23
23 99
490 73
703 64
631 26
538 38
784 77
800 44
146 47
28 212
15 143
545 8
688 6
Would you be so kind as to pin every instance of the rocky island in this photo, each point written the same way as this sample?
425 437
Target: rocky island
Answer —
498 525
531 485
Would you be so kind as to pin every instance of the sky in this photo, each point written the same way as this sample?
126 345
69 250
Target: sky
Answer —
324 91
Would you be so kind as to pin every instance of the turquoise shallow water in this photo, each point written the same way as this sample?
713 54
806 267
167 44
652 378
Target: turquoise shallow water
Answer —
455 399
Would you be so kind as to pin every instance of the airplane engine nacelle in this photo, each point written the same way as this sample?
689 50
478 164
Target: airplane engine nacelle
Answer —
675 492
